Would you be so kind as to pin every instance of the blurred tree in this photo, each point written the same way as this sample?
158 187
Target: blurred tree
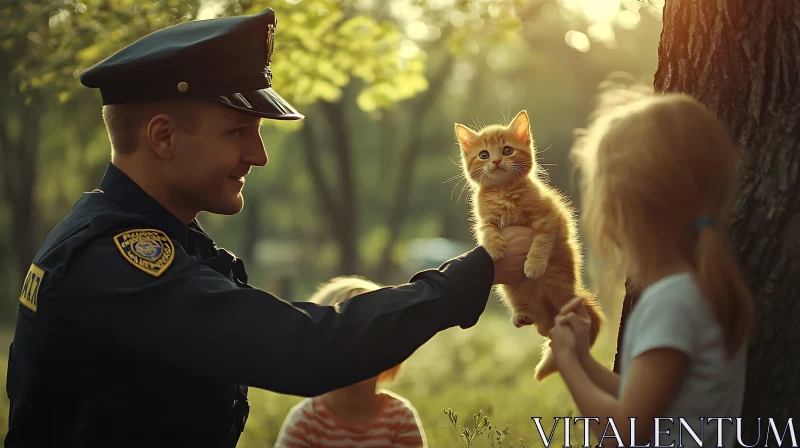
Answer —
742 59
42 45
19 129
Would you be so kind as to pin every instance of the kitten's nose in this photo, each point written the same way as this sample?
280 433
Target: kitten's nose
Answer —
496 162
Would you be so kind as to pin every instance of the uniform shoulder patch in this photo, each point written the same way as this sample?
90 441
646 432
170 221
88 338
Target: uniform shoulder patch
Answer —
30 288
150 250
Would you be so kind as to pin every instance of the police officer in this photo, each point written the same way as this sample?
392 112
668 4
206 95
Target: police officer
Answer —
135 329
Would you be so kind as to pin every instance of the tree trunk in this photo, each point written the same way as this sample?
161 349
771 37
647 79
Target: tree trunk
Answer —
387 137
335 200
347 230
327 200
742 59
405 174
18 161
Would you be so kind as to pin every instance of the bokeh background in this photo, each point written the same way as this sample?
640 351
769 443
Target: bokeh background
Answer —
368 184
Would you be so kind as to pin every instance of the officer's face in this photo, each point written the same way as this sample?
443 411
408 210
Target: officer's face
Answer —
211 163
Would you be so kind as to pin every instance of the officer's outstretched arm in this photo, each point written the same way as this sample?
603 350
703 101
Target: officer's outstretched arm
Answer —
193 318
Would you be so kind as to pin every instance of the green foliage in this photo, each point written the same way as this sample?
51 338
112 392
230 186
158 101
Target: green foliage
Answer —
320 48
51 42
483 25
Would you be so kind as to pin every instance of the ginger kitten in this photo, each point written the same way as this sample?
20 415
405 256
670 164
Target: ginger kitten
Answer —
499 163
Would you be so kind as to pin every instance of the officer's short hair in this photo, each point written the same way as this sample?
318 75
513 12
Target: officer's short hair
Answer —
121 126
124 121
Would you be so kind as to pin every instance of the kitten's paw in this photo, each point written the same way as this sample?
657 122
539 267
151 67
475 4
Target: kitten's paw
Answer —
495 248
522 319
534 268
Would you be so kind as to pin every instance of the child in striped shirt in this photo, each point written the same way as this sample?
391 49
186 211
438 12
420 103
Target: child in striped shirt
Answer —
358 416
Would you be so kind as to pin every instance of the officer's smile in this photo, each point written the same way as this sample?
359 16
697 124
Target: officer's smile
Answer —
239 175
237 179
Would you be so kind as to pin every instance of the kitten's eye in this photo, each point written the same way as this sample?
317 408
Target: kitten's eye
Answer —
507 151
484 155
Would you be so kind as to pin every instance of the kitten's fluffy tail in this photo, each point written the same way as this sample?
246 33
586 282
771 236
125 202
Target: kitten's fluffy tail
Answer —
595 314
547 365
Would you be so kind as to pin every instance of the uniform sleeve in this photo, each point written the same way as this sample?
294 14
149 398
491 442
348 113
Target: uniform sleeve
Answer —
194 319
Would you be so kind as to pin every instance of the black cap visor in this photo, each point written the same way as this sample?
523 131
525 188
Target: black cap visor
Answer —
265 103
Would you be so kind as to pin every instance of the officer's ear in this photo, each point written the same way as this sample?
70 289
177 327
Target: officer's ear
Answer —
161 132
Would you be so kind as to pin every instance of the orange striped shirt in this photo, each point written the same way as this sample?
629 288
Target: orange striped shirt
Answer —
309 424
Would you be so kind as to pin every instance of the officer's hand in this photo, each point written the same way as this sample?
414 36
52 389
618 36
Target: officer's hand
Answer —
509 269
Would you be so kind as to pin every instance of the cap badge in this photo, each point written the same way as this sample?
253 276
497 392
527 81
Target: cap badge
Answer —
270 44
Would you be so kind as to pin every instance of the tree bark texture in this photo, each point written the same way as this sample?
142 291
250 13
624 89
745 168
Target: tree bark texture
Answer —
742 59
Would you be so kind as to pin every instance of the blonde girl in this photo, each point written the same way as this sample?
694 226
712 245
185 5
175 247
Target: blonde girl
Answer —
658 174
360 415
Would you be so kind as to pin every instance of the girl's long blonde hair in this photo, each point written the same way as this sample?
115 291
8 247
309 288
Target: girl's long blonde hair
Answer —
337 290
652 169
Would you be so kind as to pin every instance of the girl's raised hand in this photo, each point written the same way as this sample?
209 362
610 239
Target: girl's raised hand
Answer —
574 315
563 343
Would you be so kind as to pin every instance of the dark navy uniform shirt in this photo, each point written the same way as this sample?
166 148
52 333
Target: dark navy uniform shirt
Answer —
135 329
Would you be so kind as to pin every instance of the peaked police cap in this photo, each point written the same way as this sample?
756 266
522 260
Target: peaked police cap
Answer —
226 60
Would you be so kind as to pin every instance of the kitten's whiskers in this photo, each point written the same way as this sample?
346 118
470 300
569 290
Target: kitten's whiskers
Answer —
518 169
463 179
453 178
473 172
480 173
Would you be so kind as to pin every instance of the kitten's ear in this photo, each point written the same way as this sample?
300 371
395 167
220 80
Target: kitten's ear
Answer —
467 138
520 127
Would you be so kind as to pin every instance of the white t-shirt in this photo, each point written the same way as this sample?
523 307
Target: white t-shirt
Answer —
673 313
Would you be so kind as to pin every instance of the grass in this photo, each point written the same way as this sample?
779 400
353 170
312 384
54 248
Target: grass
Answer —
472 388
